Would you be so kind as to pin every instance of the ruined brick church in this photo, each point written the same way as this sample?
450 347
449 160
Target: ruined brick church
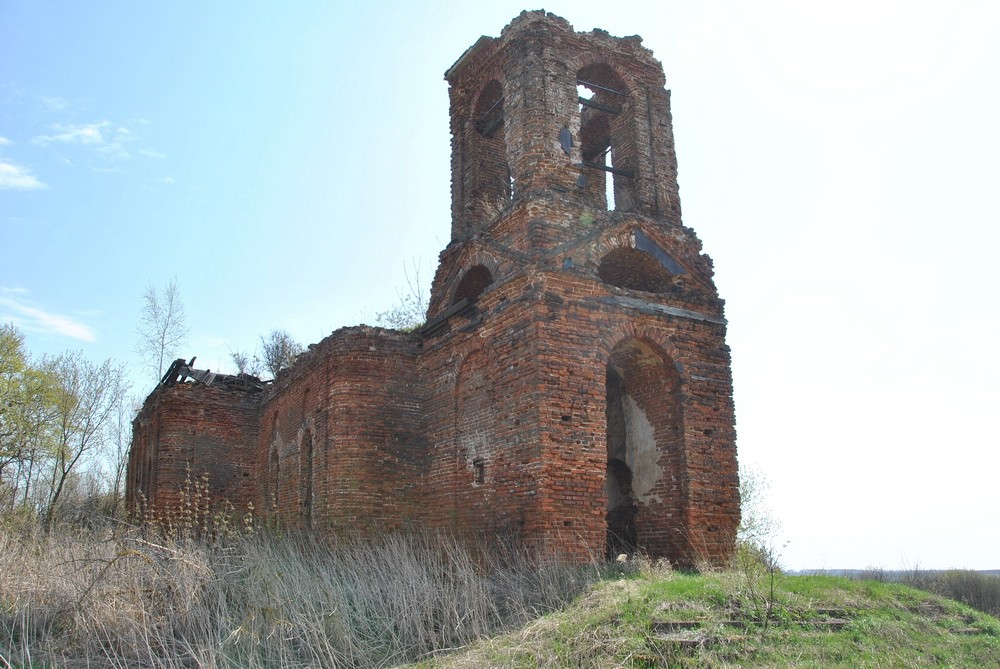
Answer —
571 385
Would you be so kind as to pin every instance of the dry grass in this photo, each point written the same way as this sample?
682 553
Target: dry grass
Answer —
124 599
979 590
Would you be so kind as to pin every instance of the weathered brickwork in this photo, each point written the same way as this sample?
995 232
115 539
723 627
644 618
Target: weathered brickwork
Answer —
572 385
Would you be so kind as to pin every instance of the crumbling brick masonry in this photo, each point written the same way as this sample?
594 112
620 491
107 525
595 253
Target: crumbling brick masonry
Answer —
571 385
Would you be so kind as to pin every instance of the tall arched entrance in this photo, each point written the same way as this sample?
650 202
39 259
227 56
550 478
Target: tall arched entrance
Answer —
646 472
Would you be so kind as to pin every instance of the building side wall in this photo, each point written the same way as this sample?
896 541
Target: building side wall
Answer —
341 445
192 438
481 419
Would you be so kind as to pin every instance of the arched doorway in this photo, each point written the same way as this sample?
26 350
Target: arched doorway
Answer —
646 464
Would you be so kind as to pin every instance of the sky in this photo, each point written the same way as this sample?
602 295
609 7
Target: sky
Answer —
285 163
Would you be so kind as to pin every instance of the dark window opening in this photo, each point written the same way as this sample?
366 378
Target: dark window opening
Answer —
476 280
478 472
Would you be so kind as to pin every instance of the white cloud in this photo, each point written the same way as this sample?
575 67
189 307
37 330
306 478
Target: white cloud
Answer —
4 141
91 133
164 180
13 177
55 104
151 154
110 140
29 317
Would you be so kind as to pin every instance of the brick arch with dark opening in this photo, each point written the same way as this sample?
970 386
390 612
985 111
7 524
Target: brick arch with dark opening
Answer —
476 280
492 186
646 471
607 138
635 270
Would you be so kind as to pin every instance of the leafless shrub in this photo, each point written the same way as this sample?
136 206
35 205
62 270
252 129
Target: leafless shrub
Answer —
411 312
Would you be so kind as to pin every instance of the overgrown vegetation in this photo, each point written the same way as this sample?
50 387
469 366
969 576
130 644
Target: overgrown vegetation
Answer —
243 597
254 599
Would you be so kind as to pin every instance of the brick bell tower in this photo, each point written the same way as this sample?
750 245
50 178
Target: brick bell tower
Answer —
577 317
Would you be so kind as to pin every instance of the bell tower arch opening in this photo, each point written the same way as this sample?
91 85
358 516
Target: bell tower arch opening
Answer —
493 183
646 502
607 138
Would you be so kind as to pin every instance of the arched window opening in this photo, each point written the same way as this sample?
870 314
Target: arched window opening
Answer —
633 269
493 184
606 140
306 459
472 285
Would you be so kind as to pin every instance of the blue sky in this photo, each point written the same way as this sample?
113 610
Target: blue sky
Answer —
286 160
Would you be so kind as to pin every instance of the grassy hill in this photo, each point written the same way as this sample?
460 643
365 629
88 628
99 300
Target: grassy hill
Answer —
665 619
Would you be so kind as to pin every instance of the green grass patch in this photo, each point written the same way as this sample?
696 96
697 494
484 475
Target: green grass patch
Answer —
665 619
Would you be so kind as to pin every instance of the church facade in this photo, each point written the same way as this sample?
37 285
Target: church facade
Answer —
571 386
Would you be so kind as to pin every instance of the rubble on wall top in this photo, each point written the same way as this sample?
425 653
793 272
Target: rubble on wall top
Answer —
183 372
528 17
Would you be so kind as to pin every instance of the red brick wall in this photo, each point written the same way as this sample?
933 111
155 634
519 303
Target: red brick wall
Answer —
357 396
190 432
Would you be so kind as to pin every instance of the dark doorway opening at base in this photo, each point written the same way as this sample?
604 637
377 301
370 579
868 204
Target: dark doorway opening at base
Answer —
622 508
621 511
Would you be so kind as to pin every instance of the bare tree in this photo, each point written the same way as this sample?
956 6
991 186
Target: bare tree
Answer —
162 329
279 351
411 312
246 363
119 443
758 526
88 399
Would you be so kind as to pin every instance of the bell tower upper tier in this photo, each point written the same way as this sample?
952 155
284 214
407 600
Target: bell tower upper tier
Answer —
545 112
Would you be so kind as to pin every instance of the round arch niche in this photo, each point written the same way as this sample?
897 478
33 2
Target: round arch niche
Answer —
476 280
634 270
